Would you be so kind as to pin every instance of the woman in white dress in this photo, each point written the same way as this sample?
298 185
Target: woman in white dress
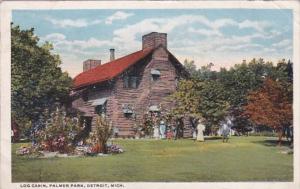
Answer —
156 132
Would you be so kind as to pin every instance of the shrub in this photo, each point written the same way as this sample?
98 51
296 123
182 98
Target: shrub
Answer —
147 126
59 133
100 136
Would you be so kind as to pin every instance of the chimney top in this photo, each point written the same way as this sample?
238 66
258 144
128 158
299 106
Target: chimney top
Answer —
90 64
154 39
112 54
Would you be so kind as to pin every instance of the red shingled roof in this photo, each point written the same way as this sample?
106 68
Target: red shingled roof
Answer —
109 70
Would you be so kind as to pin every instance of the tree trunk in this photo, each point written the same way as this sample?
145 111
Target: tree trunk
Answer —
103 148
280 135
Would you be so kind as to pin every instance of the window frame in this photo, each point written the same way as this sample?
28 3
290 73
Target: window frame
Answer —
155 77
130 82
102 111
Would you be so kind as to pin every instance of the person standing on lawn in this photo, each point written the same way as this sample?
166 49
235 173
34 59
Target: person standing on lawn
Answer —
156 132
194 135
200 129
162 129
174 130
169 133
226 129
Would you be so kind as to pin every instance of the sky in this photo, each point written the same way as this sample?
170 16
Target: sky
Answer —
222 36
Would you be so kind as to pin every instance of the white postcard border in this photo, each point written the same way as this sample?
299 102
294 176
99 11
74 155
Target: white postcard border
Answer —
6 10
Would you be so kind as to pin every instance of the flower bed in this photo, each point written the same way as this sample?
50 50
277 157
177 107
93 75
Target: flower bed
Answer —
79 151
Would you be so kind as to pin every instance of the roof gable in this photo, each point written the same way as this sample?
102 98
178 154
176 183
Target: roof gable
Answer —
114 68
109 70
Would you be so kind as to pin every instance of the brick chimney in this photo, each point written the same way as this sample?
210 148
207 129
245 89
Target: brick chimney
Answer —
90 64
112 54
154 39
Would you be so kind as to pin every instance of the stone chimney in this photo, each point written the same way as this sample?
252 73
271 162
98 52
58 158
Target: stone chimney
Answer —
154 39
112 54
90 64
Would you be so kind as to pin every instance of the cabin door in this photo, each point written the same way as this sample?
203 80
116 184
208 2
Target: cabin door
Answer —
86 123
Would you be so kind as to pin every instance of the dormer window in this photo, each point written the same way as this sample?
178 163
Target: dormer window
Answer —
155 73
133 82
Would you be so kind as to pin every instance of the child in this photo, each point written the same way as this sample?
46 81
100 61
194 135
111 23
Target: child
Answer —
169 134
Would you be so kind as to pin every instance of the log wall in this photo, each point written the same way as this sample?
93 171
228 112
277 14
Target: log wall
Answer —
149 92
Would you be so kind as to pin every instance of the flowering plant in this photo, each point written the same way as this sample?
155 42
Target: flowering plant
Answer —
59 133
101 134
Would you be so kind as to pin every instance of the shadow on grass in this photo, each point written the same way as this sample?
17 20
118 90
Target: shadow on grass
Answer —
213 138
272 142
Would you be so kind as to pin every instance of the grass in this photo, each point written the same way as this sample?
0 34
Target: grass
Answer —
242 159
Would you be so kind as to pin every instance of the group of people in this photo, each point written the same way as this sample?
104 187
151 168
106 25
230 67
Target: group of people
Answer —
161 131
225 130
164 131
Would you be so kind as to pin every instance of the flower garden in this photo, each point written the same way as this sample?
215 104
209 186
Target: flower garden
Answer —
59 135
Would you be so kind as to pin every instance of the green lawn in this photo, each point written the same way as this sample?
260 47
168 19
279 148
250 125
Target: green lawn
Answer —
242 159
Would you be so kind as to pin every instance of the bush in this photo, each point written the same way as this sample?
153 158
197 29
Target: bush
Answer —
100 136
59 133
147 126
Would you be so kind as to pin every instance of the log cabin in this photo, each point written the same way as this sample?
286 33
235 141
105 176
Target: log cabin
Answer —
127 88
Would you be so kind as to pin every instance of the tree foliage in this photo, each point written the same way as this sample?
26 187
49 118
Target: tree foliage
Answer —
37 80
200 100
204 73
187 99
225 92
240 80
270 106
190 66
213 105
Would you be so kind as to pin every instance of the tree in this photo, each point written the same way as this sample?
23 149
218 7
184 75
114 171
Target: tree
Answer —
37 80
187 99
239 81
190 67
213 105
206 73
197 99
270 105
227 90
203 73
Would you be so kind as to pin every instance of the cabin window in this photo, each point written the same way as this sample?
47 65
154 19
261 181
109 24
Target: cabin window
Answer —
154 108
133 82
128 110
130 82
155 74
100 105
126 81
100 109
